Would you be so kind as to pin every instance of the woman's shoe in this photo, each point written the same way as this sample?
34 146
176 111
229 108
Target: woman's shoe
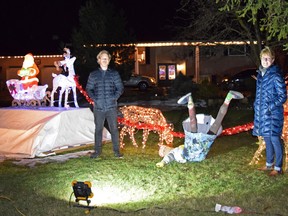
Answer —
275 173
266 168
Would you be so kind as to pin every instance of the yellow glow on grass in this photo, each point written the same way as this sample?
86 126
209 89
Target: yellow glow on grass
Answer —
116 195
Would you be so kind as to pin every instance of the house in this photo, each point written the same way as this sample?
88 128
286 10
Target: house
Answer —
198 60
162 60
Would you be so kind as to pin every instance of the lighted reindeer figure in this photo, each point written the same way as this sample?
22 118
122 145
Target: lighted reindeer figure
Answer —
148 119
66 83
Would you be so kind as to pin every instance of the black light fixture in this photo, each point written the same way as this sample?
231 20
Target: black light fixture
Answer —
82 191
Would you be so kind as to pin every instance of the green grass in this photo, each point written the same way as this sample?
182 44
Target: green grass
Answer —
135 186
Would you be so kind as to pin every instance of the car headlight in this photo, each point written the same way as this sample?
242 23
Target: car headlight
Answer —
152 80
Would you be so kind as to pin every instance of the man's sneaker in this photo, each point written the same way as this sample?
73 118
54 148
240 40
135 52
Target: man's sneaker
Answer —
94 155
119 155
184 99
236 95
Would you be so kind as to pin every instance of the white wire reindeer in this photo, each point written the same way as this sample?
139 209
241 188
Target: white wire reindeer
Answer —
66 83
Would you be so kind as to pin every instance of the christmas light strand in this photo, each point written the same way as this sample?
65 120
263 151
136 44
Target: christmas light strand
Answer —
82 91
154 127
130 126
237 129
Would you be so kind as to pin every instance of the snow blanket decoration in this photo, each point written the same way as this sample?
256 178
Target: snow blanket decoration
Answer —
32 131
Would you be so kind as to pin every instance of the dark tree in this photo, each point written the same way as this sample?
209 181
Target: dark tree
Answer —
207 20
102 26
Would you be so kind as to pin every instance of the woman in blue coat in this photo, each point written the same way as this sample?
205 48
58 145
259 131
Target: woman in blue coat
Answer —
268 110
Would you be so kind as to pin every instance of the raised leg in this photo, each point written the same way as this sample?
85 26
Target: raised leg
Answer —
187 99
223 110
192 115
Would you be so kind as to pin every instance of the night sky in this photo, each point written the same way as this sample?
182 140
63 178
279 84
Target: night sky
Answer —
38 26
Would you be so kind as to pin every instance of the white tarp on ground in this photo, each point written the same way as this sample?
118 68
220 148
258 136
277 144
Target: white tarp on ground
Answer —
29 132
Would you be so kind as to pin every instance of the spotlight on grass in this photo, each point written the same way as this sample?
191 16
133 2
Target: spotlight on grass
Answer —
82 191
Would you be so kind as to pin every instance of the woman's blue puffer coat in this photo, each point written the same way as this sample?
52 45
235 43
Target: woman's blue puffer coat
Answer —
271 94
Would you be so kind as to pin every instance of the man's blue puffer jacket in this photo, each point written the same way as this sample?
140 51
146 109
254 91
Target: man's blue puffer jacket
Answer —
104 88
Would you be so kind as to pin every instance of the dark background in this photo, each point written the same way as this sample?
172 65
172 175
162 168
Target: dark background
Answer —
39 26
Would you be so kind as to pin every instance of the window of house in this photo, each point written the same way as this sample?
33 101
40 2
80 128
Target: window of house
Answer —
141 55
236 50
207 51
167 71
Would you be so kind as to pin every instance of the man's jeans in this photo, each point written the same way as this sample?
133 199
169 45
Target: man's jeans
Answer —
99 119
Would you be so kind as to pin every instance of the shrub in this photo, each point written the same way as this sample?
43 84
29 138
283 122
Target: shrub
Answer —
207 90
182 85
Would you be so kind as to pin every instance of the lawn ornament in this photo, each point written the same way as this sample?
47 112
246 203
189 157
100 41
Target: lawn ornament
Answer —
198 138
28 72
66 83
26 92
147 119
196 144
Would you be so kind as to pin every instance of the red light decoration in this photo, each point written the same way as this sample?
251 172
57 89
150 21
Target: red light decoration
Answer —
237 129
162 127
130 126
82 91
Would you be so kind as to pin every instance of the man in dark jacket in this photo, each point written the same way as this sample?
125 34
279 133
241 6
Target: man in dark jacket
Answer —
271 94
105 86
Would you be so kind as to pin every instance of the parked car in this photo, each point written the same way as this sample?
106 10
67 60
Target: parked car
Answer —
141 82
242 81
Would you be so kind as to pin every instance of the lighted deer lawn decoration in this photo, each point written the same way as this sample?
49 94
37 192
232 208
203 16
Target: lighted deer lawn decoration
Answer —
147 119
66 83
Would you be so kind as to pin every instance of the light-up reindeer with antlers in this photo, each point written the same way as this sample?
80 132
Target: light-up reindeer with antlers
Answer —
65 82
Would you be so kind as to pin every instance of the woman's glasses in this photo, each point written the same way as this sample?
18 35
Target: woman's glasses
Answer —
266 59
